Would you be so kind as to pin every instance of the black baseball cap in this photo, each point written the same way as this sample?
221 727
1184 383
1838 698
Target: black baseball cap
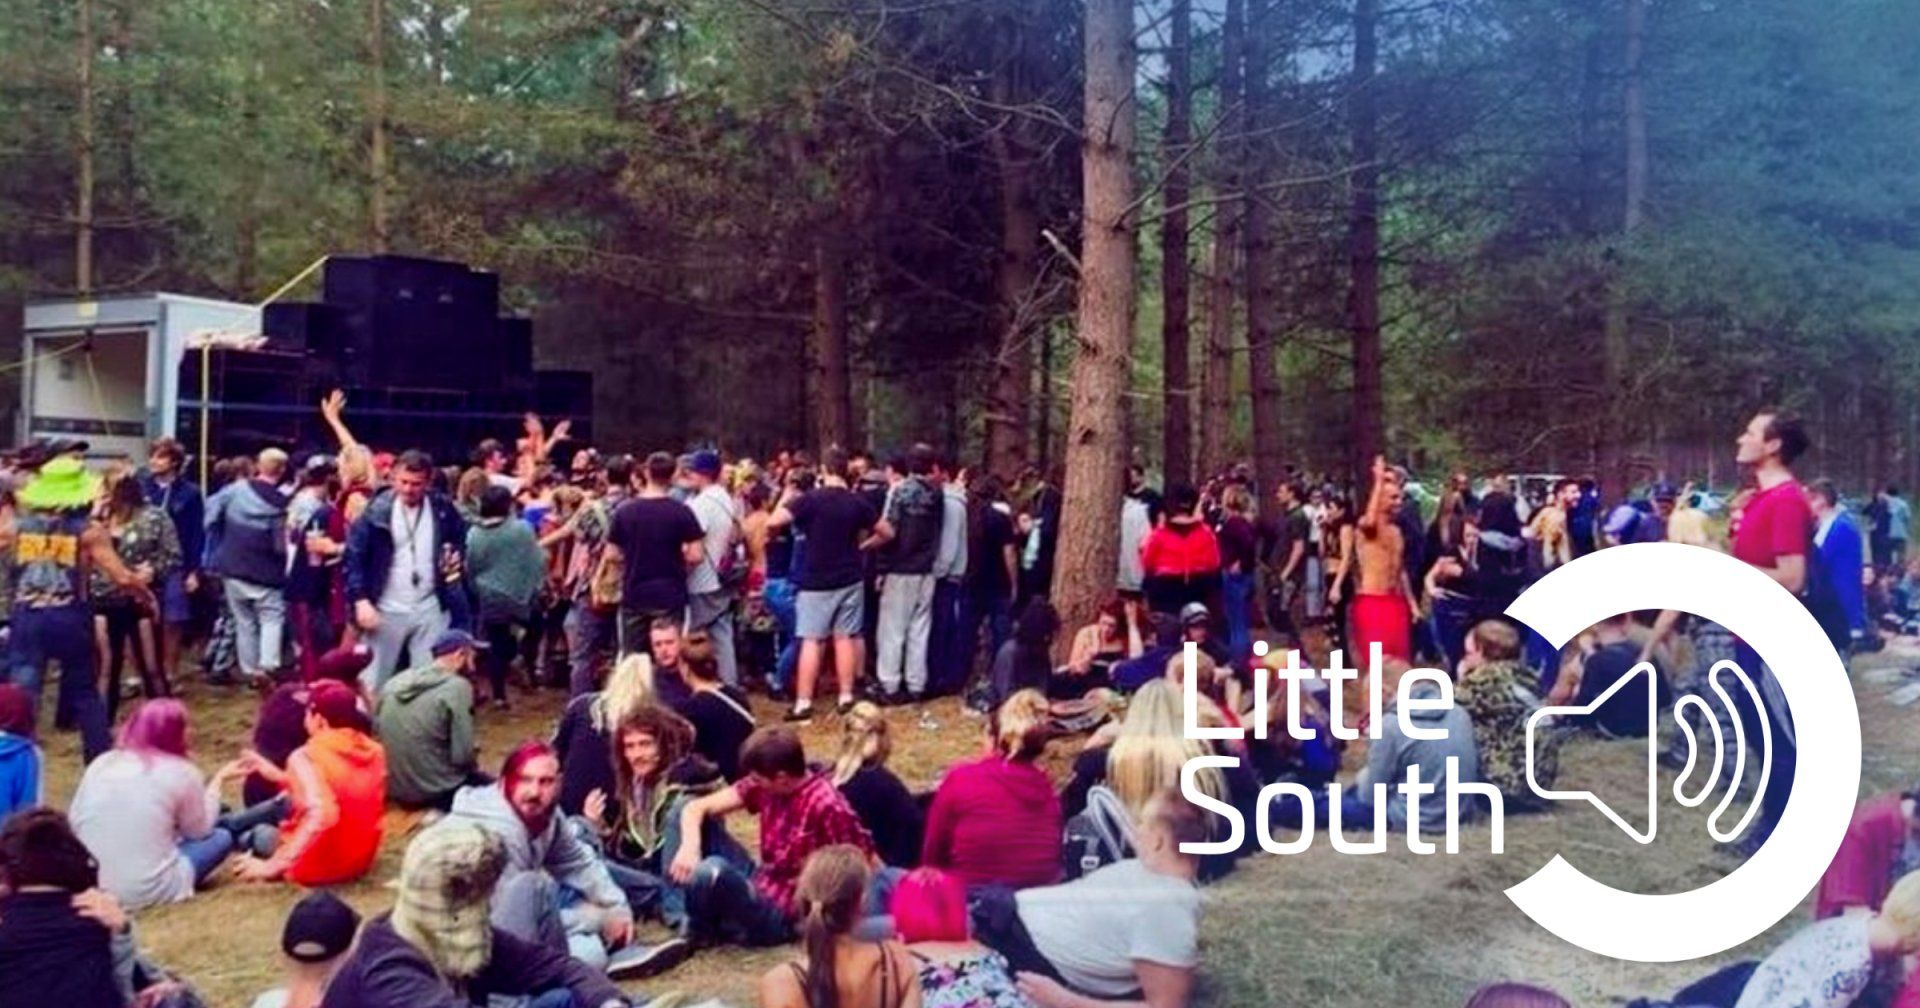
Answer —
320 928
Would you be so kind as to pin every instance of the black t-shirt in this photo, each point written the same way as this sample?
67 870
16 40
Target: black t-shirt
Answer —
833 520
308 581
649 532
987 559
719 727
890 813
1624 715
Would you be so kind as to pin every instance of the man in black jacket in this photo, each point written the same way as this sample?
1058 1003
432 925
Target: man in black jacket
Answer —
405 559
56 929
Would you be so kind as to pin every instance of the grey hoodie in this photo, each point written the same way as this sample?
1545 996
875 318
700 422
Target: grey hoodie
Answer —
425 722
1394 752
557 850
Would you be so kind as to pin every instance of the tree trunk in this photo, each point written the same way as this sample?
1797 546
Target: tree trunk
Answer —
1616 348
1262 333
1177 353
1088 550
1217 392
84 144
832 386
1016 277
1363 242
379 168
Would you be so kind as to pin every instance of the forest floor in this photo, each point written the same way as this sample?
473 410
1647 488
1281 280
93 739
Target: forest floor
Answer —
1315 929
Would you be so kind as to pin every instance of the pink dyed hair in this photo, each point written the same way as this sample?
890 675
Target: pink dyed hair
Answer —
156 726
930 905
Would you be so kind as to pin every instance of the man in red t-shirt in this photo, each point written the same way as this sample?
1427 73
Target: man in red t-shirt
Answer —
1775 536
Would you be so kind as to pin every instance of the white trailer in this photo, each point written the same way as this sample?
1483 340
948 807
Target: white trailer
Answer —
107 370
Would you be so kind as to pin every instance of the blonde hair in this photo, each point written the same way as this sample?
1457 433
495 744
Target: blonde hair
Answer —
1901 908
1152 747
628 688
864 741
1022 726
1236 500
356 465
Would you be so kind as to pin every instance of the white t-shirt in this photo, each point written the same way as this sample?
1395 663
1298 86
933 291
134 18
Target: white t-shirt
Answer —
1827 965
410 579
132 812
713 507
1092 929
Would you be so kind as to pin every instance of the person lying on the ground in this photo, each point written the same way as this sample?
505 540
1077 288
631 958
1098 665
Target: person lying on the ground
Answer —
438 948
839 967
556 890
335 789
929 910
1881 838
318 933
1831 962
800 812
425 717
148 814
891 813
1126 933
995 820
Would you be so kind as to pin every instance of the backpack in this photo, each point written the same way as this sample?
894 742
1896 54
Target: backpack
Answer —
1098 835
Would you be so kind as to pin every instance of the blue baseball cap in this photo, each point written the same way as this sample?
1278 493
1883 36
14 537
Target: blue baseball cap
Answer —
706 462
456 640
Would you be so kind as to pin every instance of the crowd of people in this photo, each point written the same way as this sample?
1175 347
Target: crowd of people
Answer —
380 603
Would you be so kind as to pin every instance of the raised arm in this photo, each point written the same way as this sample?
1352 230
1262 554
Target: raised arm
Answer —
334 409
1376 512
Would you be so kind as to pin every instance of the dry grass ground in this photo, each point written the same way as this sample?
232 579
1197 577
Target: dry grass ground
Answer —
1317 929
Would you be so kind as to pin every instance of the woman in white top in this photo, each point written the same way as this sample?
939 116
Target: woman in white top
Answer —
148 814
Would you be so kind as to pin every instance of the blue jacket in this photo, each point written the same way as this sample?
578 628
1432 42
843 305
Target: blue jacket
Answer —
369 556
247 534
20 763
188 509
1840 556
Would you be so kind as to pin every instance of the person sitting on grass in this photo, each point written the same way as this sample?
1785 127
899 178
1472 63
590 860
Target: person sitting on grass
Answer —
585 736
57 927
1127 932
426 723
995 819
1151 664
883 803
1884 829
1025 661
318 933
557 890
1144 755
1111 638
281 725
336 790
839 968
1496 691
1831 962
930 914
21 761
800 812
656 773
438 948
719 713
148 814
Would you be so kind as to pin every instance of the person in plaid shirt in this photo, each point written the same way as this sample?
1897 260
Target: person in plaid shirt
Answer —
800 812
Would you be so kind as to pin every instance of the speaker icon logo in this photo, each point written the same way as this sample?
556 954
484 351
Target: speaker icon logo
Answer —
1716 678
1807 673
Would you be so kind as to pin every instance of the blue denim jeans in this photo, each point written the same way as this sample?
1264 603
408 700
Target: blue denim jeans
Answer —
65 635
781 595
1236 596
206 853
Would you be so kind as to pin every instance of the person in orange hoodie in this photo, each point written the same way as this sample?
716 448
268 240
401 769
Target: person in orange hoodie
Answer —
1181 558
336 787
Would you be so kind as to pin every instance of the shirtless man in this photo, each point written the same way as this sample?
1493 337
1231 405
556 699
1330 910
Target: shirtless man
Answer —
1383 599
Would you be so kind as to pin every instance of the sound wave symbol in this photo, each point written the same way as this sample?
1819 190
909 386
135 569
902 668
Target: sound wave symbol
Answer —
1694 702
1716 677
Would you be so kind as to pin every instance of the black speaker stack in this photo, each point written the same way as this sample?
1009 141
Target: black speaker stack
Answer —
420 348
